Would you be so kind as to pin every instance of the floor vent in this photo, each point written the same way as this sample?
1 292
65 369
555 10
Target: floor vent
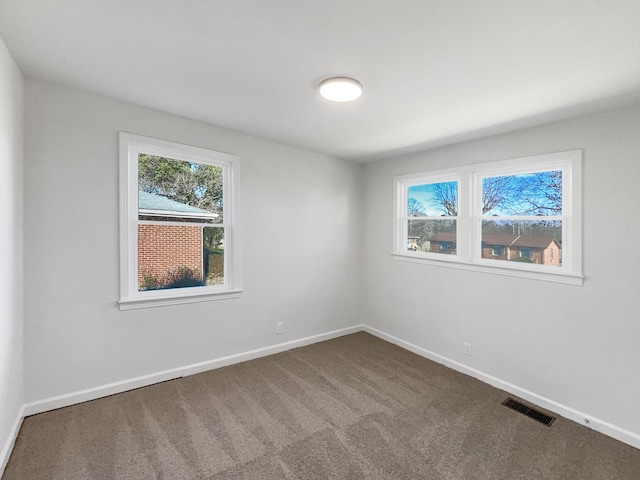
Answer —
528 411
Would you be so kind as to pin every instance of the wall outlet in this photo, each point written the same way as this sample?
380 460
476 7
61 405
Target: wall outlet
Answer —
279 328
467 349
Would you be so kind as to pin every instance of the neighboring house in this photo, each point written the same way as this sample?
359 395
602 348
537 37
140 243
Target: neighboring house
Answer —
165 248
540 250
443 242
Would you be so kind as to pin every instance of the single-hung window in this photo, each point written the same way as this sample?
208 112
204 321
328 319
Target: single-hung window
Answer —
179 238
523 211
519 217
429 217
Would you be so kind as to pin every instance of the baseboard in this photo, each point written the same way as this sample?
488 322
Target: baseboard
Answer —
263 352
11 441
53 403
88 394
582 418
146 380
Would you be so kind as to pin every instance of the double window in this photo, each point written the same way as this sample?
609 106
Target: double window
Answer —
178 223
518 217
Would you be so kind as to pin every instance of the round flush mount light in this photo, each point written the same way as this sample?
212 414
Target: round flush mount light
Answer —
340 89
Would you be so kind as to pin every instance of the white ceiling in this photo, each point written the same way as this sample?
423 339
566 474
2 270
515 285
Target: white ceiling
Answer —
434 71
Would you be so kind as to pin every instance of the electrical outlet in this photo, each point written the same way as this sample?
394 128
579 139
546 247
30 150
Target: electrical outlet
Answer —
279 328
467 349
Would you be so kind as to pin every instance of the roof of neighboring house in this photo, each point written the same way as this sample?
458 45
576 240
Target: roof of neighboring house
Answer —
499 239
502 240
530 241
158 205
535 242
443 237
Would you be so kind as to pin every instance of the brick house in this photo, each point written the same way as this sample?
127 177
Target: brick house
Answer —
443 242
165 248
540 250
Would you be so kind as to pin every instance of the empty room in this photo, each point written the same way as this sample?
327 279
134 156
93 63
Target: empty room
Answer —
308 240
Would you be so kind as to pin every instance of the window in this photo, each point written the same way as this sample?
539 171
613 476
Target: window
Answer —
432 215
518 217
178 224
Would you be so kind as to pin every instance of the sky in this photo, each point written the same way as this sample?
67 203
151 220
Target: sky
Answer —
424 194
538 188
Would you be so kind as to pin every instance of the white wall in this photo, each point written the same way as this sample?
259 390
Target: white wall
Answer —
11 132
577 346
300 233
306 256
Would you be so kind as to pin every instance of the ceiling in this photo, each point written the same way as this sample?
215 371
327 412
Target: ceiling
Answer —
434 72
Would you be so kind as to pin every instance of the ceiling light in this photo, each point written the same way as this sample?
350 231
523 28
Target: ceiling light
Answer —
340 89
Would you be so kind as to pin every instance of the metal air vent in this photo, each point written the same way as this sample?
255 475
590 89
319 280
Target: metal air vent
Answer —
528 411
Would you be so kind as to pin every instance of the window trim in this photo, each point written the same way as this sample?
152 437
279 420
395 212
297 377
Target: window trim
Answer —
469 248
130 298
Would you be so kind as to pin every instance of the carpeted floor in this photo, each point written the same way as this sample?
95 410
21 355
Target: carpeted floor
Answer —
351 408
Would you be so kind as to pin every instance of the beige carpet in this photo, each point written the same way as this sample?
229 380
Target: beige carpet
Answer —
351 408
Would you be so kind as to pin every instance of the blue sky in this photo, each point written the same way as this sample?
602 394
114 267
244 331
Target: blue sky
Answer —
424 194
523 194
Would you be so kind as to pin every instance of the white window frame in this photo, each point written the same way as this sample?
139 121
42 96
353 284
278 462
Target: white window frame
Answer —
469 220
130 298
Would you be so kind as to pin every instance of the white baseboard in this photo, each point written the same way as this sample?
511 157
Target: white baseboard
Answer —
53 403
263 352
589 421
73 398
68 399
5 453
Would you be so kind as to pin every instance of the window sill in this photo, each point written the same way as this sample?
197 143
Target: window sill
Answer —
132 304
548 276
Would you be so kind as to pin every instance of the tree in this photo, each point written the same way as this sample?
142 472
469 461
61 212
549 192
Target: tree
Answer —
542 193
446 194
194 184
415 208
496 192
536 194
532 194
418 228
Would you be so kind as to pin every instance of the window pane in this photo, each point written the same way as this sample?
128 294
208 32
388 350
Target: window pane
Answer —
433 200
437 236
169 256
528 194
213 239
178 191
537 242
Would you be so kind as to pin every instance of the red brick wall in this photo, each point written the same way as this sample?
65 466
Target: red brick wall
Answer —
487 252
164 248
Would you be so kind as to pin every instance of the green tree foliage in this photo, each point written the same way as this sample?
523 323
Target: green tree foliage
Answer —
194 184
